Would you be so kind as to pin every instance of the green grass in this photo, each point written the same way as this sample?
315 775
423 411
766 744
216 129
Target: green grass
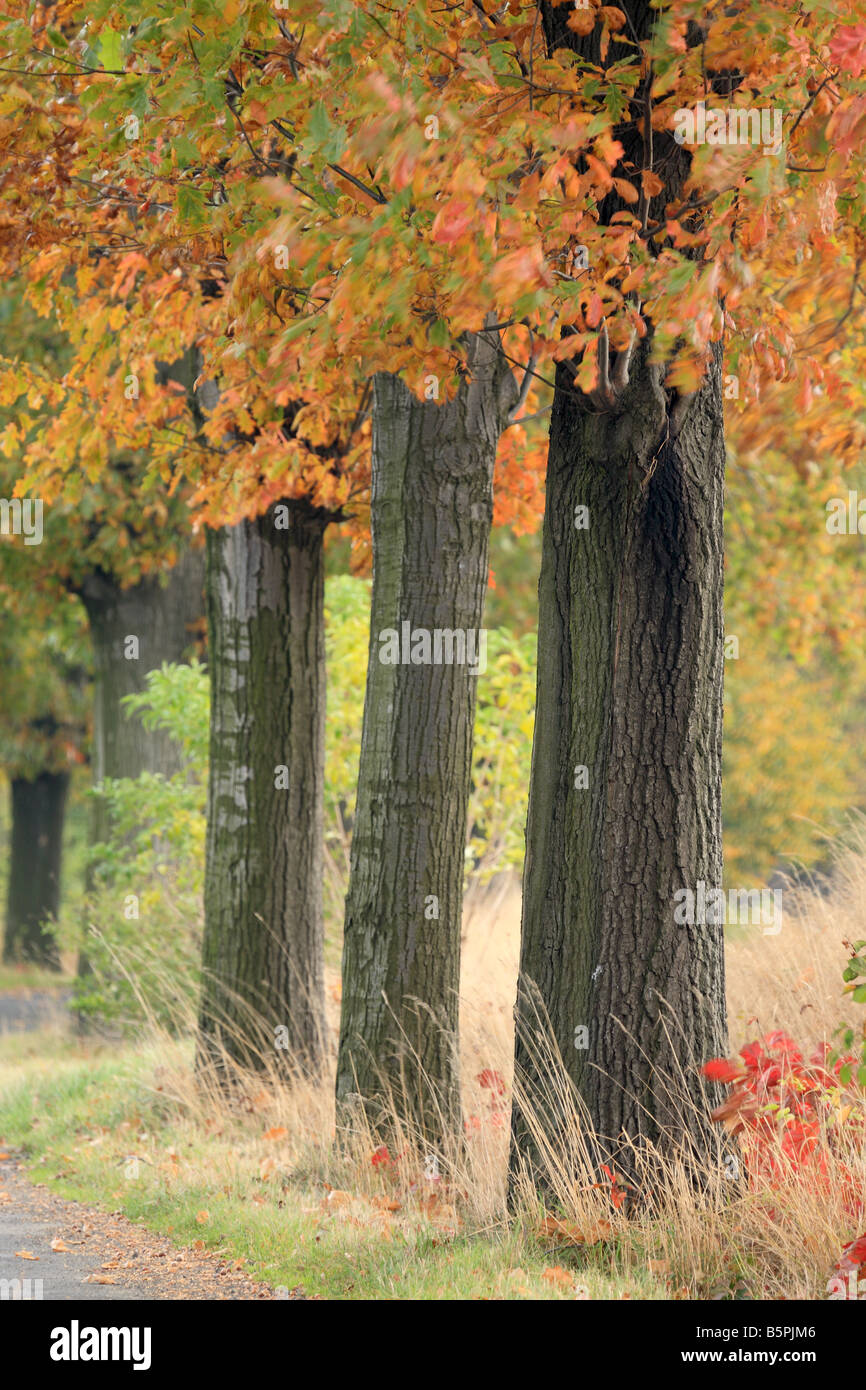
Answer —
78 1112
18 979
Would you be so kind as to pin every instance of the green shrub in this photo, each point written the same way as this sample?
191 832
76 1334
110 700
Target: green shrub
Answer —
144 910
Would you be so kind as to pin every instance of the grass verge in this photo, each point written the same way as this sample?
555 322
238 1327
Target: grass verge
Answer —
105 1127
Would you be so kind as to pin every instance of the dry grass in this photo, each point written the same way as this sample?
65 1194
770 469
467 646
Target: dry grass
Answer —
715 1239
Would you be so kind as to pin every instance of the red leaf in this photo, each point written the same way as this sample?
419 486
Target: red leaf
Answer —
719 1069
848 48
490 1080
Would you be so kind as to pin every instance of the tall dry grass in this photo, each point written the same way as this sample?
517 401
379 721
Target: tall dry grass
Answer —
714 1238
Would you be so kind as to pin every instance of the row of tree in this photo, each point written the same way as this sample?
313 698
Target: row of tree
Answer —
371 245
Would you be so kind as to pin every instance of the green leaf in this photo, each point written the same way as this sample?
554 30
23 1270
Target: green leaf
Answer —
191 205
186 151
111 49
319 125
616 102
328 140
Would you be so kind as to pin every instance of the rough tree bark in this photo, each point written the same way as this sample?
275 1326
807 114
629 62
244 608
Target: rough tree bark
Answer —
630 660
263 940
432 502
38 808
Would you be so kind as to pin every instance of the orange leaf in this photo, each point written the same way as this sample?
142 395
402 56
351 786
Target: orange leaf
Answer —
582 21
278 1132
336 1198
568 1233
256 112
650 183
387 1204
26 1255
451 221
555 1274
626 190
595 311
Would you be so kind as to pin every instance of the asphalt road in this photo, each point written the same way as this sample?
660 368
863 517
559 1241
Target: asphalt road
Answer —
71 1252
22 1012
28 1224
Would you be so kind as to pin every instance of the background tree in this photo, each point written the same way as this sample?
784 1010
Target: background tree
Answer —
152 283
194 162
45 705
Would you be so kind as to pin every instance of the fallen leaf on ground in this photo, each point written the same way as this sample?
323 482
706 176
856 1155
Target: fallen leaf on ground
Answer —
569 1233
277 1132
518 1278
202 1216
59 1246
555 1274
336 1198
26 1255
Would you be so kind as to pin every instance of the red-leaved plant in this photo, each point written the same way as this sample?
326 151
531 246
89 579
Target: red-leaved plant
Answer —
796 1117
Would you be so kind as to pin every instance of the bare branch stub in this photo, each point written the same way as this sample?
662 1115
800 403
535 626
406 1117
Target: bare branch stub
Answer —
613 373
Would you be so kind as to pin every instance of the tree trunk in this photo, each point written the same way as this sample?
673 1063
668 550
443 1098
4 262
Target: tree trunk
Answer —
33 901
625 788
630 658
432 502
263 982
134 631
